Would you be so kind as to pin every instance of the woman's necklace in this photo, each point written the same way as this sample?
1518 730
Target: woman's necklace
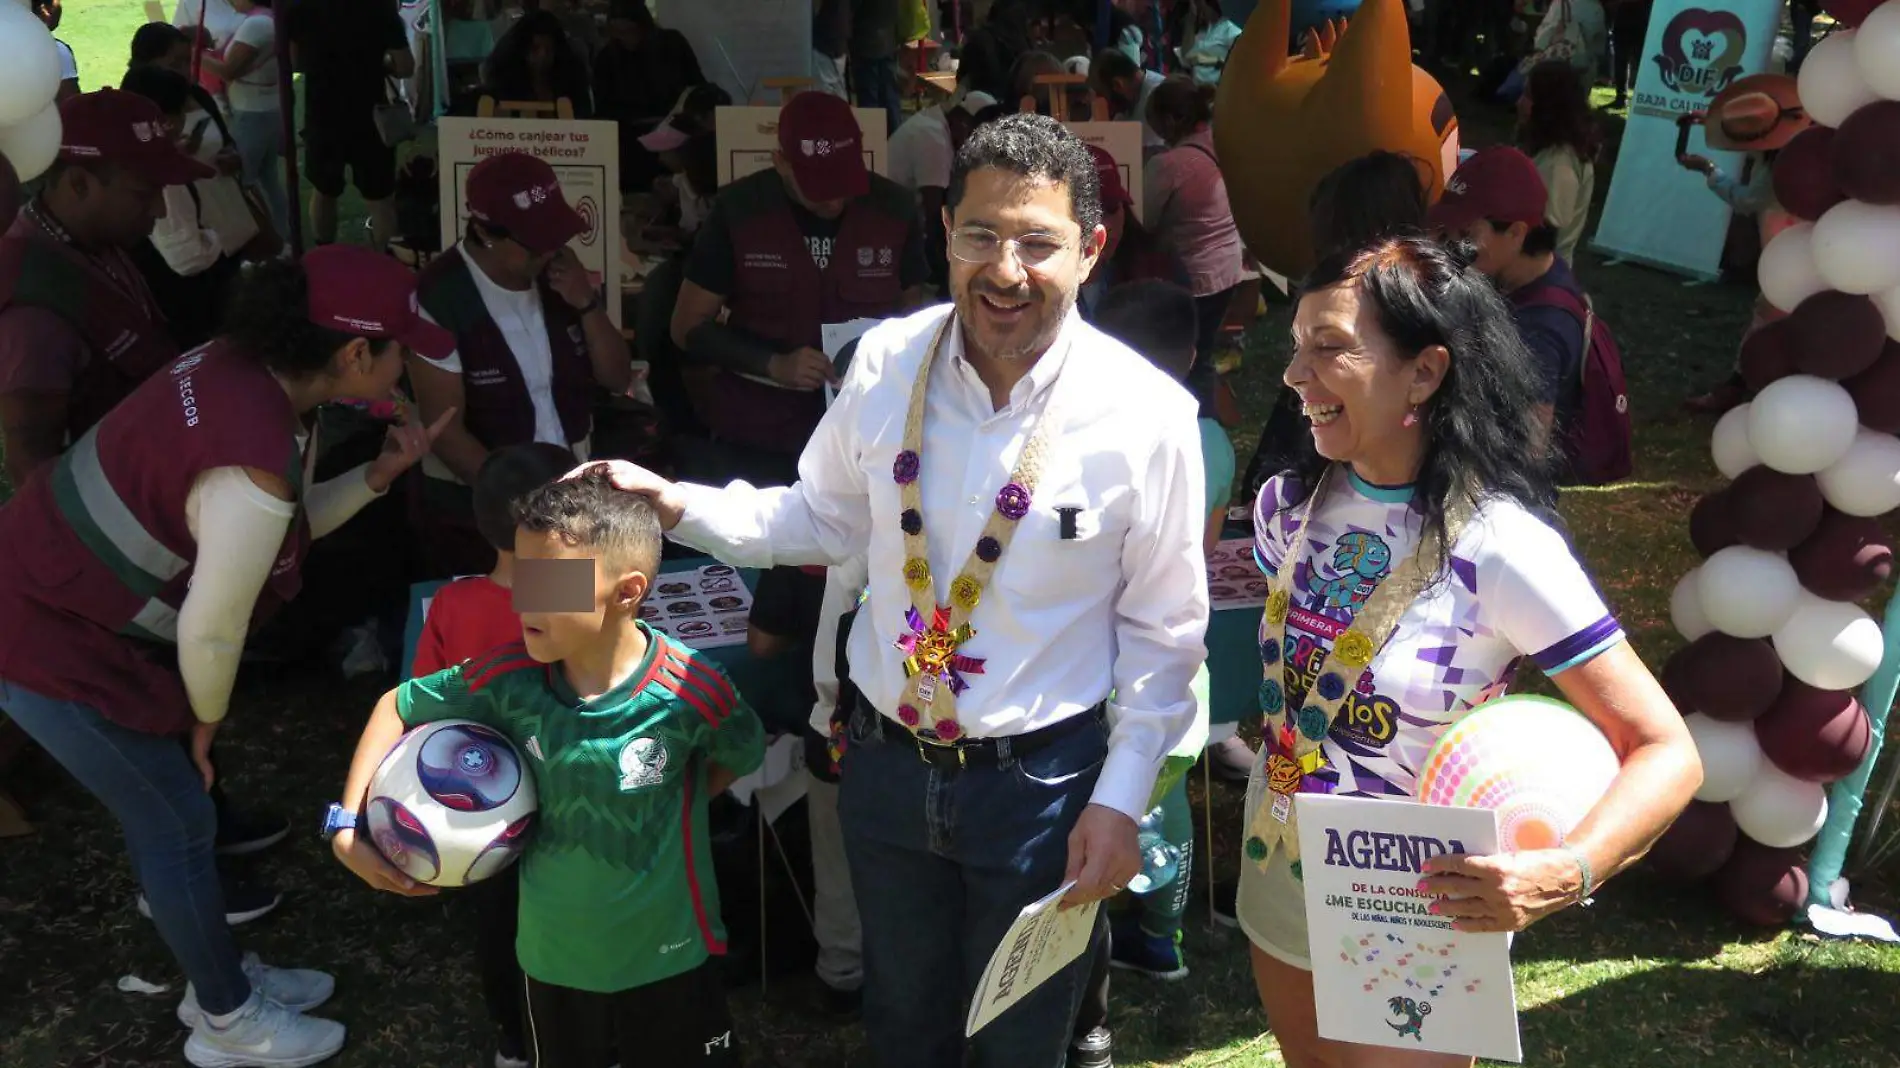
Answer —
933 667
1294 742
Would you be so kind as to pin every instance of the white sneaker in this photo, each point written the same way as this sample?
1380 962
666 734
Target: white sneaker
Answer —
265 1035
296 989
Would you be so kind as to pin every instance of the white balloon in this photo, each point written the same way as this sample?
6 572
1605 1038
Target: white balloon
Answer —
1733 453
1779 810
1730 756
1786 269
1866 480
1801 424
1889 304
1830 83
33 145
1876 46
1830 645
29 76
1685 609
1856 247
1747 593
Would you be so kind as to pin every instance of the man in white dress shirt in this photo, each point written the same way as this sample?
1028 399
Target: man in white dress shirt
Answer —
977 784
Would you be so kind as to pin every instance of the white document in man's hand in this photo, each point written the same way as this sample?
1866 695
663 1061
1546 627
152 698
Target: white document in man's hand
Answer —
1043 939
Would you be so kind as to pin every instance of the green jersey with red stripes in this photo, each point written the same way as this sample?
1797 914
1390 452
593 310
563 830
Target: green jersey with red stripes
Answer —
617 885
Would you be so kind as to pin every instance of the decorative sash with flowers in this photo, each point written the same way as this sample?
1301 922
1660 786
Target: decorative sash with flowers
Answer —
933 667
1292 751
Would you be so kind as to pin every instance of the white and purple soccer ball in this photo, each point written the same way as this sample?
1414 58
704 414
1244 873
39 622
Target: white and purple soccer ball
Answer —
451 804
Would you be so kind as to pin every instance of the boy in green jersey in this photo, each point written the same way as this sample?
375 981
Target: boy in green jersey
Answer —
628 734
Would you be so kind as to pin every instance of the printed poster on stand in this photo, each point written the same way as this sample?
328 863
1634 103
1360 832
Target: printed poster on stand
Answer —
585 156
1122 141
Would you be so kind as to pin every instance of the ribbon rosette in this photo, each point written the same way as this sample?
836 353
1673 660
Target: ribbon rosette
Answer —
917 573
904 468
1276 607
932 650
1354 649
1013 502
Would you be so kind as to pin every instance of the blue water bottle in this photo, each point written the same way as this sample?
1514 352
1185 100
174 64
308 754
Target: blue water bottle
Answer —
1160 858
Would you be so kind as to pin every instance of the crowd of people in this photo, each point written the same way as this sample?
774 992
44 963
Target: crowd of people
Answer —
203 429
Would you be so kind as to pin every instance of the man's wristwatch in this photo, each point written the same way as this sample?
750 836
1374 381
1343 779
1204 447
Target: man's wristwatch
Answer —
337 818
592 306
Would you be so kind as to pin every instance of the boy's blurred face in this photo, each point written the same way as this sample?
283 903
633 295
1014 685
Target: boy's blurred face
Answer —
568 597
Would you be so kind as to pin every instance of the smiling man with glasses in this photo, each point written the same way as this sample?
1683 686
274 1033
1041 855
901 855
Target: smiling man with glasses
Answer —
1026 495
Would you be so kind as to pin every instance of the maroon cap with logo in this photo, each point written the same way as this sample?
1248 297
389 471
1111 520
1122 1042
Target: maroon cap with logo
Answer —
820 139
359 292
127 130
1501 184
519 194
1109 174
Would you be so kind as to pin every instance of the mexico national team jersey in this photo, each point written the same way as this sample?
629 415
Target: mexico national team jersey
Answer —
617 885
1514 590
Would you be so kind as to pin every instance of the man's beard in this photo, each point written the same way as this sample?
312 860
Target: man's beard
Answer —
1044 336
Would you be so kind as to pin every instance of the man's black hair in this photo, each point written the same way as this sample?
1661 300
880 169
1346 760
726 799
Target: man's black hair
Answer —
1038 148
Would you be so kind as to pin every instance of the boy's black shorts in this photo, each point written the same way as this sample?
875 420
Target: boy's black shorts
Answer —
330 149
682 1021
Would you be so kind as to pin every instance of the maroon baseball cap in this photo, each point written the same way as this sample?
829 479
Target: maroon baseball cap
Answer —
1495 183
365 294
820 139
127 130
1109 174
519 194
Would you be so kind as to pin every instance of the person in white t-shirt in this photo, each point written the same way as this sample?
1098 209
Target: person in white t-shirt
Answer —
921 152
1420 399
49 12
247 62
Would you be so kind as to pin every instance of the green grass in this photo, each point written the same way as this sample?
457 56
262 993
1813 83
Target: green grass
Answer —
1653 976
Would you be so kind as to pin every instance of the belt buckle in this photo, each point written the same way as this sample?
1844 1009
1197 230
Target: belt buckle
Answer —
928 742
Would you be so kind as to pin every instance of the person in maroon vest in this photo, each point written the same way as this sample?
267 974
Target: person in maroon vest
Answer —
132 567
79 330
533 344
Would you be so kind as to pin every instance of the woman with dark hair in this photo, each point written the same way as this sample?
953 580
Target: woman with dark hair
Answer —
191 258
1377 195
535 61
161 44
1405 551
1558 131
639 75
132 568
1186 201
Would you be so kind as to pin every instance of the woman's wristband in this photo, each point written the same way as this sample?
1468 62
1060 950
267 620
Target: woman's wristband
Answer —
1584 870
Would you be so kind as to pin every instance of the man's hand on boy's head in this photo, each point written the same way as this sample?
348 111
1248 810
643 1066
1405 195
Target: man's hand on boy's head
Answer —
362 858
633 478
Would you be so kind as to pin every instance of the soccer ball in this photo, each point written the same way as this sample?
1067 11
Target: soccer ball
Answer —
451 804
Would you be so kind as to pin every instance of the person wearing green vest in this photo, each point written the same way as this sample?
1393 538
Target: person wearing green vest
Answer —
629 735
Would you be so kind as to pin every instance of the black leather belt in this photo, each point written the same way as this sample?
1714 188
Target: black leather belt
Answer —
978 752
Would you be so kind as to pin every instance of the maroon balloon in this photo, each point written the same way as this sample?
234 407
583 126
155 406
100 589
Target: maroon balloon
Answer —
1724 677
1836 335
1711 525
1768 354
1815 735
1876 391
1697 844
1866 153
1846 558
1850 12
9 193
1804 174
1761 885
1774 511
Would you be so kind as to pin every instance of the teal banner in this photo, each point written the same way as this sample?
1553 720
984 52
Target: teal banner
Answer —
1657 212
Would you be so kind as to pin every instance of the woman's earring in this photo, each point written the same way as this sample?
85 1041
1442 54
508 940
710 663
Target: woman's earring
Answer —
1411 418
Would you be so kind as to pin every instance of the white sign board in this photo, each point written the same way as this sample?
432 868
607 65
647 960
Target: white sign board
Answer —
1387 971
748 136
585 156
741 43
1122 141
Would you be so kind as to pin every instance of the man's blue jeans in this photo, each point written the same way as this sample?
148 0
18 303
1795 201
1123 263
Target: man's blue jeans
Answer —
942 862
875 81
150 784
